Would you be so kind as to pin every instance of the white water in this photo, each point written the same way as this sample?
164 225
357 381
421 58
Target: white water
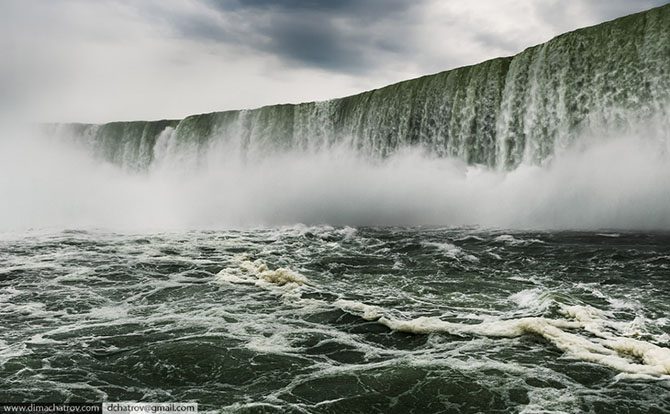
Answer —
585 333
620 353
608 182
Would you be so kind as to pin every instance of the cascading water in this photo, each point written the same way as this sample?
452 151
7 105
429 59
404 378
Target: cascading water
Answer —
211 259
573 133
500 113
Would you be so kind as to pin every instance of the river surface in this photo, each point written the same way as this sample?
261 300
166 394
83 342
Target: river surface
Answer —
339 319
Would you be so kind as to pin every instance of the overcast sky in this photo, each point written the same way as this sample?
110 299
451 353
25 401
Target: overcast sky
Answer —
66 60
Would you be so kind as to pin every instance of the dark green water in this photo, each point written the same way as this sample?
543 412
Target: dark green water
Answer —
521 322
572 133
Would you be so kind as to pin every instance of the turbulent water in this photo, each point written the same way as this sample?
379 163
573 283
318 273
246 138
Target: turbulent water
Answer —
184 276
298 319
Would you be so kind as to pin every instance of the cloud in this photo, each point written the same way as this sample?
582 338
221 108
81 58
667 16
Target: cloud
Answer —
344 36
126 59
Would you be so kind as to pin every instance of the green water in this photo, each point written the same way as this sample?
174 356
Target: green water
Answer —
195 316
572 133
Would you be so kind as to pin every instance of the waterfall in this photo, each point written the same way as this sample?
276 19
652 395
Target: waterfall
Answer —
500 113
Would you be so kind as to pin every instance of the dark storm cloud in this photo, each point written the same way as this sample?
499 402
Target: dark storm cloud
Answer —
290 4
316 43
359 9
360 36
129 59
345 36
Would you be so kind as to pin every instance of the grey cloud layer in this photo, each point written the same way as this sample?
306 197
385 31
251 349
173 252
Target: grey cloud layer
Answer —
358 35
129 59
347 36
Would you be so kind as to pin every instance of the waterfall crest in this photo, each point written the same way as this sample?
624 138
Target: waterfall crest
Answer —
499 113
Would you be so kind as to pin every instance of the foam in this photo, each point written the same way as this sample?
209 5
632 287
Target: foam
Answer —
618 353
513 241
452 251
585 334
245 271
532 299
8 352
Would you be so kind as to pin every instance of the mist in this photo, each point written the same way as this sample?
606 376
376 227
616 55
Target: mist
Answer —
607 182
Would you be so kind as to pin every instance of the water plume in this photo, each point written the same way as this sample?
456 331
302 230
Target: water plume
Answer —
611 182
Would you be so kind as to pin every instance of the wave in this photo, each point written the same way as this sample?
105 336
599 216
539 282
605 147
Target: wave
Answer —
615 352
585 333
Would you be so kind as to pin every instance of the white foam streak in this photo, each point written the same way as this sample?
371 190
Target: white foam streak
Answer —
615 352
585 334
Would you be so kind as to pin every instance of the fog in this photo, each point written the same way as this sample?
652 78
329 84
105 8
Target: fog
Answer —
607 182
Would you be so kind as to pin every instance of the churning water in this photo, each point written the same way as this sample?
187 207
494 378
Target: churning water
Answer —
340 319
156 297
488 239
